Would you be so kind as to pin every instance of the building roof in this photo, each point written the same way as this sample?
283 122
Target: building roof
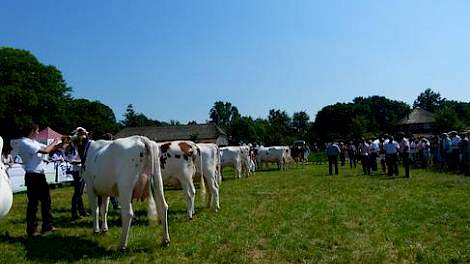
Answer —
47 133
417 116
169 133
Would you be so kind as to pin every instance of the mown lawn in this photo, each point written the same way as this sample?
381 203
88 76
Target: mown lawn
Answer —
300 215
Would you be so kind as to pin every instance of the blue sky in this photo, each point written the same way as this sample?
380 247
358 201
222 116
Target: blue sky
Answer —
174 59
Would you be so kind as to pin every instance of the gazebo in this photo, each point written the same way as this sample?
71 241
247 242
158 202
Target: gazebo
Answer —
47 135
419 123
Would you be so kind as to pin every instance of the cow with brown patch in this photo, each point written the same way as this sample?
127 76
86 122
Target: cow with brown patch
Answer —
179 166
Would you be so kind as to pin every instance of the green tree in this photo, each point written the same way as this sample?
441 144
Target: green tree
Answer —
223 114
446 119
134 119
279 132
429 100
93 115
243 130
30 91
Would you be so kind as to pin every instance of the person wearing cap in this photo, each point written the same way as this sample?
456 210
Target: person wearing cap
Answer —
405 153
37 188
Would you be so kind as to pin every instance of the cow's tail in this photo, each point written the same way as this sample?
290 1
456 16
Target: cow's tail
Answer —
203 184
152 167
218 168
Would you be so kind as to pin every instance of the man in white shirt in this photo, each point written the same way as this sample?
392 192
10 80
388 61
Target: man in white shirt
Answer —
31 153
391 156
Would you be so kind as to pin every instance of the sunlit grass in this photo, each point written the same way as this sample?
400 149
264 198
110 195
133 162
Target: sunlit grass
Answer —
300 215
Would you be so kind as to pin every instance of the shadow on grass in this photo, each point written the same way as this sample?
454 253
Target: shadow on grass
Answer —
54 248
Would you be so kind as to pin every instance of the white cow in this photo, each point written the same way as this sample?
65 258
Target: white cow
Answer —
178 165
210 169
6 194
236 157
276 154
114 168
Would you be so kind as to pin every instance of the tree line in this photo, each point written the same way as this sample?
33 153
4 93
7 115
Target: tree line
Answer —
31 91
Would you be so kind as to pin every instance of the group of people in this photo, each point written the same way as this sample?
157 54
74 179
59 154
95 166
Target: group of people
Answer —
448 151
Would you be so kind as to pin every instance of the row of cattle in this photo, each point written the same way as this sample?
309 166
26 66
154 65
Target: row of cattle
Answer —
138 168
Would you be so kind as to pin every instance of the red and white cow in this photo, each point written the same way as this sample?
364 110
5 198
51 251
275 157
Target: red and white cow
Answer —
276 154
178 161
236 157
210 169
114 168
6 194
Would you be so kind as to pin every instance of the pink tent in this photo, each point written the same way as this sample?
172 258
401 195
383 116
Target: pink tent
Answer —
47 135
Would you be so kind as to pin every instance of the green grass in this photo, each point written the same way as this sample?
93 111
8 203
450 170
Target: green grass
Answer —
300 215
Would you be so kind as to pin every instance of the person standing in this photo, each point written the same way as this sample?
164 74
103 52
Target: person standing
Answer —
391 155
71 155
37 188
332 151
405 153
373 154
465 152
455 148
352 154
363 150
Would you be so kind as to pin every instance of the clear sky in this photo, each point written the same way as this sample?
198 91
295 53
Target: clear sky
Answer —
173 59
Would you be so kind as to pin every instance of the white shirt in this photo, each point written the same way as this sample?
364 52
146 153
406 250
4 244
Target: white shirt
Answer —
32 160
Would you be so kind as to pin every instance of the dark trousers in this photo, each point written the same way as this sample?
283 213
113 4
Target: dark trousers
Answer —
78 187
365 164
454 160
37 191
342 158
373 161
333 160
392 166
352 160
406 164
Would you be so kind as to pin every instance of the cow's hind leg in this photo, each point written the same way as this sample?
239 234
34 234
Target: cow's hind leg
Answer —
104 213
190 192
127 214
213 189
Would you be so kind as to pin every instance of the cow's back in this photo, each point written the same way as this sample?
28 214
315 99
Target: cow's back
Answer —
108 162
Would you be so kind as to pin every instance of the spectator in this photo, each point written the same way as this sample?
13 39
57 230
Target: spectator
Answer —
363 150
445 150
352 154
374 148
332 151
464 151
391 155
455 148
405 153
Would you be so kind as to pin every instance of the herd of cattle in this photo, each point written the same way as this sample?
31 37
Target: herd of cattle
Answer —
138 168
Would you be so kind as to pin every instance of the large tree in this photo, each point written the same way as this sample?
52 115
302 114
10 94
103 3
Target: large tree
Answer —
223 114
30 92
134 119
429 100
93 115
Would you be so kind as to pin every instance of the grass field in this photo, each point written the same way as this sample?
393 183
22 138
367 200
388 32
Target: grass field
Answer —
300 215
